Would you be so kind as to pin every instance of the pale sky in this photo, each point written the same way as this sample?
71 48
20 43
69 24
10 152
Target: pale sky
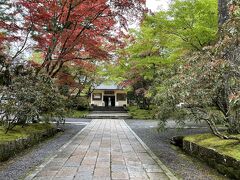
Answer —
156 5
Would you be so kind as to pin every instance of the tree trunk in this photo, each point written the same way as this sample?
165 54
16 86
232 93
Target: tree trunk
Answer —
223 11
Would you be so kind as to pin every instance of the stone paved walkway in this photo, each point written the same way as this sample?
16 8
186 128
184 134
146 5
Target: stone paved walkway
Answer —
105 149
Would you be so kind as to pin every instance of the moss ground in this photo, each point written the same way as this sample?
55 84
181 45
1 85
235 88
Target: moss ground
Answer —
226 147
143 114
19 132
77 114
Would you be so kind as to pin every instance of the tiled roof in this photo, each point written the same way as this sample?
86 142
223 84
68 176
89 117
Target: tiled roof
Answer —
108 87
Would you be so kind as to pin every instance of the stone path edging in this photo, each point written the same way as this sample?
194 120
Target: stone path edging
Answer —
165 169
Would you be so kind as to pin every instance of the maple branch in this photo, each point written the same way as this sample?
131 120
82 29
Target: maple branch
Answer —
85 27
51 50
65 42
75 26
184 39
80 2
23 46
63 47
79 58
82 86
69 11
54 73
55 38
61 63
65 50
60 15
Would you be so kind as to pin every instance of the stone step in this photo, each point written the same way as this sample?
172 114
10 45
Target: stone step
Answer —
118 109
107 115
109 112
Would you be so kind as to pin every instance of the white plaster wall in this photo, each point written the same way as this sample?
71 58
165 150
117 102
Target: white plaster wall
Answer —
97 102
101 102
120 103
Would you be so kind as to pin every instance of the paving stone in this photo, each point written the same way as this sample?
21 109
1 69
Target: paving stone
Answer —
116 153
102 172
118 162
86 168
101 178
100 164
73 161
138 175
120 175
106 149
135 159
104 158
133 163
64 178
135 169
139 178
84 175
89 161
118 168
67 172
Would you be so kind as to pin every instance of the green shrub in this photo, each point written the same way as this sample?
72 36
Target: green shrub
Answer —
78 103
28 98
138 113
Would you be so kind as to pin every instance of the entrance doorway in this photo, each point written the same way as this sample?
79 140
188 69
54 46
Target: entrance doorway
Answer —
109 101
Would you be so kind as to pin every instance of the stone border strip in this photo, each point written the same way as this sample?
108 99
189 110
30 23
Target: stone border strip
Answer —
11 148
155 158
224 164
39 168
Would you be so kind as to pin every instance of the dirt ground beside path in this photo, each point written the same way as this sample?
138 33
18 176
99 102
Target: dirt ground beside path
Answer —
184 166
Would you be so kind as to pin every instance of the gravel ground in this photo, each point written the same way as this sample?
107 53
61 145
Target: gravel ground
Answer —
18 167
181 164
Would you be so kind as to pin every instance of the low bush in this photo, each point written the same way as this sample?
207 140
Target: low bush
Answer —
76 113
28 98
138 113
78 103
